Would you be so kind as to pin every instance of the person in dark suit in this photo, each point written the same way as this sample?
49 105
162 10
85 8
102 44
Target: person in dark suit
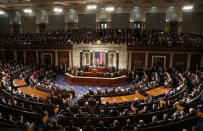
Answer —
71 126
55 126
68 112
165 119
141 124
80 113
154 121
102 113
101 127
116 126
10 119
128 125
88 127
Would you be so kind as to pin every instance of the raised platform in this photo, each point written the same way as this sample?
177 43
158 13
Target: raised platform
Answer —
95 81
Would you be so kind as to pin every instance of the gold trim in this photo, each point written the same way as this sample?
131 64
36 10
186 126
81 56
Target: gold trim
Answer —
159 57
42 57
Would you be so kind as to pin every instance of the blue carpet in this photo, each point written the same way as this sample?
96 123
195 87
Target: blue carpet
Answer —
80 90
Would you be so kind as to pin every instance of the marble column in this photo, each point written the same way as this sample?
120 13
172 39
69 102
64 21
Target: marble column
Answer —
188 61
70 59
91 58
107 58
117 60
56 58
37 57
24 56
80 58
171 60
146 59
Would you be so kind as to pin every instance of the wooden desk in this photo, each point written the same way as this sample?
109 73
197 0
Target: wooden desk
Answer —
157 91
121 99
95 81
19 83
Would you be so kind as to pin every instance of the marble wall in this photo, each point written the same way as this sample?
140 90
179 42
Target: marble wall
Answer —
111 48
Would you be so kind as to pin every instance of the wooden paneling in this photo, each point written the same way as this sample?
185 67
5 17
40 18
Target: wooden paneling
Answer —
137 60
20 56
30 57
180 61
95 81
167 55
63 57
195 59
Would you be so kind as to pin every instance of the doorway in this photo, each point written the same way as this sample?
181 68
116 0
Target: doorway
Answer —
159 61
46 58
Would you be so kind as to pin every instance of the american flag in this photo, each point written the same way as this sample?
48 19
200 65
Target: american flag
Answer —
99 57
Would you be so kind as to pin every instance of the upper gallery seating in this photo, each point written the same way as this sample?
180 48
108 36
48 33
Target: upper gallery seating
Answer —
131 37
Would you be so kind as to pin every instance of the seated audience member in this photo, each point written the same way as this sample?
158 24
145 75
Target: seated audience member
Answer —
192 112
91 114
175 117
165 119
141 124
88 126
71 126
154 121
68 112
128 125
113 112
102 113
101 127
116 126
55 126
136 102
10 119
80 113
182 115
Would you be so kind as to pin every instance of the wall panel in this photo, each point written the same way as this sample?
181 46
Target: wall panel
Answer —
4 24
120 20
137 60
156 21
29 24
192 22
195 59
87 21
180 61
56 22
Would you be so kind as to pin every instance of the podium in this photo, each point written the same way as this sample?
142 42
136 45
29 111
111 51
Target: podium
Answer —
98 69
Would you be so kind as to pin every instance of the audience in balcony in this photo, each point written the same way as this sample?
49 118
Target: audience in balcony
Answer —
118 36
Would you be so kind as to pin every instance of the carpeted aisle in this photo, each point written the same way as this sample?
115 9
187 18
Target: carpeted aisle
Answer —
80 90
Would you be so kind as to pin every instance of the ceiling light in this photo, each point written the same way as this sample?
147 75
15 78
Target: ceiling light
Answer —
58 10
2 12
153 7
109 9
91 7
27 11
190 7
